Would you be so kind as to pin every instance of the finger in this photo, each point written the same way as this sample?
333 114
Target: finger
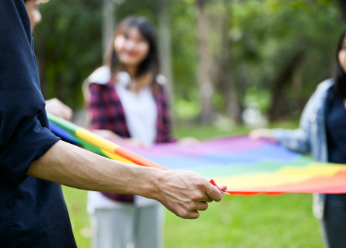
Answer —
223 187
58 112
207 199
187 214
67 112
202 206
214 193
194 214
63 114
201 197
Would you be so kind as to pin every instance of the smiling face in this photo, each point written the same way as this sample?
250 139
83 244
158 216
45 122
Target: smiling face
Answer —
131 47
33 8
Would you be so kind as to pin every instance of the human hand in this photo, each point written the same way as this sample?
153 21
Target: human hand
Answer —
56 107
185 193
261 133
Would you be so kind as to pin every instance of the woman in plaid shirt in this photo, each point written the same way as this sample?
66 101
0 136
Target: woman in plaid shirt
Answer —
127 102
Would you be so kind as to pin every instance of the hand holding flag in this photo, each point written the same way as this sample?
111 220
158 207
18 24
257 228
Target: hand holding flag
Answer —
185 193
182 192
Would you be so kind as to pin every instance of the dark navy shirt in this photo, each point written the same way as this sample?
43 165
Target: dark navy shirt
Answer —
32 211
336 127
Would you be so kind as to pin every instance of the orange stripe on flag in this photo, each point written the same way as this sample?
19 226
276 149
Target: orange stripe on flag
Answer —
136 158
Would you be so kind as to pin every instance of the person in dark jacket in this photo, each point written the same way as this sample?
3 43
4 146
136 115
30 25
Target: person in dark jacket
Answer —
322 133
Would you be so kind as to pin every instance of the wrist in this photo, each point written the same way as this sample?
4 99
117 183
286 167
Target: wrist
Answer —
150 188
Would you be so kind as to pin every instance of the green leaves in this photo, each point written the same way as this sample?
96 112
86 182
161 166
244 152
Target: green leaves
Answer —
261 36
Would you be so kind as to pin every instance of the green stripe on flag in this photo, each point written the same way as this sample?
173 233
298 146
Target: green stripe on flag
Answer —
68 126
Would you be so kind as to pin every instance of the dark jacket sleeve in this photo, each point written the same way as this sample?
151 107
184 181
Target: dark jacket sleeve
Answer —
24 130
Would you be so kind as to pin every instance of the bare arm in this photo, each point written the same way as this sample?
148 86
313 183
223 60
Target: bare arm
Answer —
182 192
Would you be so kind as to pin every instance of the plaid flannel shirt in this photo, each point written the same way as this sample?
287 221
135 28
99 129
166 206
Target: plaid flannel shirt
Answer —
106 112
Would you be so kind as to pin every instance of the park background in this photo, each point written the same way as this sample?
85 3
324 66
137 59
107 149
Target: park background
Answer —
231 65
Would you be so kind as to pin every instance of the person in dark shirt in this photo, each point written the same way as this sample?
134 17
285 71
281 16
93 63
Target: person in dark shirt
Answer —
323 133
33 161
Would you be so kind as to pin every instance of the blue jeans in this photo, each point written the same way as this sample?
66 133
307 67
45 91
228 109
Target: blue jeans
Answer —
334 221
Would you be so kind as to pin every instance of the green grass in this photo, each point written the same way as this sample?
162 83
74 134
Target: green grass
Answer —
76 204
236 222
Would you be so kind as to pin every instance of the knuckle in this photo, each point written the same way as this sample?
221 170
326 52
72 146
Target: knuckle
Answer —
185 215
182 213
196 196
192 205
218 198
195 216
200 182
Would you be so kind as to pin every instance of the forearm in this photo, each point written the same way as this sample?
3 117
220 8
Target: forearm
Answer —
182 192
296 140
72 166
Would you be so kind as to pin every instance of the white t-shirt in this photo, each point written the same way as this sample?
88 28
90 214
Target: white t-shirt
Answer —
140 113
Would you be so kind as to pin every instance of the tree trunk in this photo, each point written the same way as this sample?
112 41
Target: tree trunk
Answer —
165 46
205 86
231 88
107 22
222 70
342 6
281 83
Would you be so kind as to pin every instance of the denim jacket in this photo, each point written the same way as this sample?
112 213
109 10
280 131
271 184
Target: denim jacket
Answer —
310 137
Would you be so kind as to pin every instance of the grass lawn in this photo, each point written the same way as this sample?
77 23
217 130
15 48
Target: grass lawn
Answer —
237 222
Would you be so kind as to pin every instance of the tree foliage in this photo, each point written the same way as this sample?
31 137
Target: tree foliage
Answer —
252 43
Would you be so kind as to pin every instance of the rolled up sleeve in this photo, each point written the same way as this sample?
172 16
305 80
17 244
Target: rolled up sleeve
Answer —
24 129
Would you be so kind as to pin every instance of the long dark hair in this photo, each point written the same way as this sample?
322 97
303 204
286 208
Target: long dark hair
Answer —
339 73
150 66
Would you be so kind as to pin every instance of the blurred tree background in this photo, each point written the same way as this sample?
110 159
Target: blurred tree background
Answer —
223 58
227 62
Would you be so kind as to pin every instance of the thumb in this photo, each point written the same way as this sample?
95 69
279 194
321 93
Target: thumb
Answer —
223 187
214 193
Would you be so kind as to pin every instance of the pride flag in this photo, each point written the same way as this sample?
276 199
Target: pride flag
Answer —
247 167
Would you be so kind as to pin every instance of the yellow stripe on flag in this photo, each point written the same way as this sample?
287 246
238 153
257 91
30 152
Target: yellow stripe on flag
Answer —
116 157
96 140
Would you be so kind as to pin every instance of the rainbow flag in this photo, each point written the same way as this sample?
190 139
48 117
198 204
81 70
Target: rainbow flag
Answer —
247 167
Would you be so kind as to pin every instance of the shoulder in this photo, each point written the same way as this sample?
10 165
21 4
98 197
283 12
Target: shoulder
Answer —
161 82
100 76
322 89
325 85
98 80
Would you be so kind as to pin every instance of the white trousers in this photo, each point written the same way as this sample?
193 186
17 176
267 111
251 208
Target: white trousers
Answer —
131 227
